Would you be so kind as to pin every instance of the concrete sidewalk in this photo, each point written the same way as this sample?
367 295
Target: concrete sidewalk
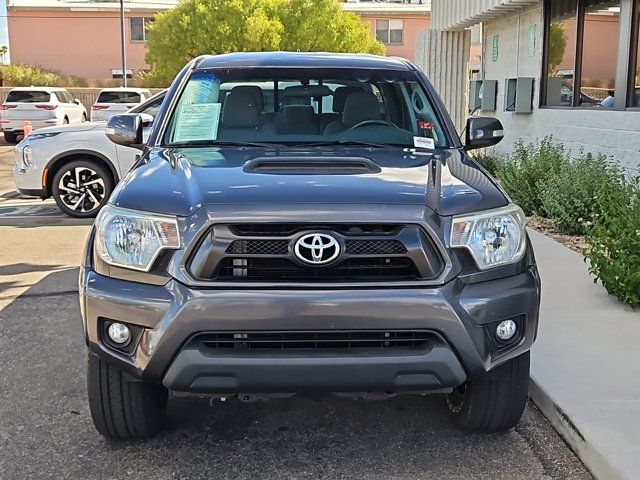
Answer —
586 364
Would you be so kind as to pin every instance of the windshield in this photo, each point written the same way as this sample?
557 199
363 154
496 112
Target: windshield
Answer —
27 96
293 106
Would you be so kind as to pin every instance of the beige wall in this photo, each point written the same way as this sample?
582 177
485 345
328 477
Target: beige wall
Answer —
71 44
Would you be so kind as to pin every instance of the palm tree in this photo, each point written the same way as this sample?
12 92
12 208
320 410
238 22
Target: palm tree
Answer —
3 51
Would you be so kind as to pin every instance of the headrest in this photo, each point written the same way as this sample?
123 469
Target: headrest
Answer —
298 115
241 109
253 90
306 91
340 96
360 106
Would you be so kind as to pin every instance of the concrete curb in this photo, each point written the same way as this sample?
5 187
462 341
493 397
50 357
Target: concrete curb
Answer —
589 455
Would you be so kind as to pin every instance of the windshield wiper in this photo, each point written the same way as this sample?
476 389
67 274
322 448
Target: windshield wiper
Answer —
220 143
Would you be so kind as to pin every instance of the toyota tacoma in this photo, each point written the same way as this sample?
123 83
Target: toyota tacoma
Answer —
306 222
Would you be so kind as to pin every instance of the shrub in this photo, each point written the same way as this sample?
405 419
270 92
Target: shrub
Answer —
25 76
578 192
614 240
491 163
527 168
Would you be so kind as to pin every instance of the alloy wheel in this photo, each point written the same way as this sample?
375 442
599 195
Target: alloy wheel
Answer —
81 189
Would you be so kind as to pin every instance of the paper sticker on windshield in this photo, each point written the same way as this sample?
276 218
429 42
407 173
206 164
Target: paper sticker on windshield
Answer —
424 142
197 121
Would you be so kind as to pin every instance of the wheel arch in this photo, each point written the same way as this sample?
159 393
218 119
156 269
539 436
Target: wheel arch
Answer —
69 156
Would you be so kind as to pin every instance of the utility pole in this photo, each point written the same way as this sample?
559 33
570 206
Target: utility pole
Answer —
124 53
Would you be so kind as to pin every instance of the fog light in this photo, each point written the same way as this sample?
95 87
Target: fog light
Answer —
119 333
506 330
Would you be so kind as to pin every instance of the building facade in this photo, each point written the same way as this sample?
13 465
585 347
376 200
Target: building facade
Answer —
82 37
566 68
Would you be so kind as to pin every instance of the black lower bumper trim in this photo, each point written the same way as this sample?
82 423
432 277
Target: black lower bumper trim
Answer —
434 368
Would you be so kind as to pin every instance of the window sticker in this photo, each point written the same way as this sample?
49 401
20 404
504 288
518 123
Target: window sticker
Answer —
199 112
424 142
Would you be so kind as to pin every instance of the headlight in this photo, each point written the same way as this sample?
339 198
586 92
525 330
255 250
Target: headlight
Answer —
39 136
494 237
133 239
27 156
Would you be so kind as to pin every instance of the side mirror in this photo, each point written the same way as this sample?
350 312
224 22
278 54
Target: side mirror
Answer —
77 101
483 132
126 130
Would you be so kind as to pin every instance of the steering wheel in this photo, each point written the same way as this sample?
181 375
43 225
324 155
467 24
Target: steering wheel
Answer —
372 122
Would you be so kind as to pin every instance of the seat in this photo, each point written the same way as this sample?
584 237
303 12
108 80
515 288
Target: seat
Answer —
359 107
241 116
339 97
298 120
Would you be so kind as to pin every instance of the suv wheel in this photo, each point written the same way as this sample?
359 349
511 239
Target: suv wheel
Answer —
494 403
122 409
81 188
10 137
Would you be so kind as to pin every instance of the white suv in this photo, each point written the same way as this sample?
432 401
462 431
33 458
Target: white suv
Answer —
42 106
112 101
77 164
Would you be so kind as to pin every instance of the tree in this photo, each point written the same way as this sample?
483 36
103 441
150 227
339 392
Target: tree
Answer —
196 27
3 52
557 45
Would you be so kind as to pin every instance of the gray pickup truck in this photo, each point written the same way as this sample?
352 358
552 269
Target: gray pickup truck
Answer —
306 222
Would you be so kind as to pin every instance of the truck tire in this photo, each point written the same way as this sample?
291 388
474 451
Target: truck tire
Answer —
123 409
495 402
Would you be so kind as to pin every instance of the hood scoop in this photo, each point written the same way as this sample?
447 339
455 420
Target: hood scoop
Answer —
311 166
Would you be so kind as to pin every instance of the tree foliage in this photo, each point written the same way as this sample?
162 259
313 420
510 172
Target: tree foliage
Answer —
557 45
196 27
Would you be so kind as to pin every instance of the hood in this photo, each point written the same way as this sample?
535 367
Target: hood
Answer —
179 181
80 127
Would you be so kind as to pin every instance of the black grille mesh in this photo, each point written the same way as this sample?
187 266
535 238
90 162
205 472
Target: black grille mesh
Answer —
315 340
375 247
259 247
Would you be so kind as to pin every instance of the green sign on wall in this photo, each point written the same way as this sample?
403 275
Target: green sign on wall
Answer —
495 49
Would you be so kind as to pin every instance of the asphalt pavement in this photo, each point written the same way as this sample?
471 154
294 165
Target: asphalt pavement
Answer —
46 429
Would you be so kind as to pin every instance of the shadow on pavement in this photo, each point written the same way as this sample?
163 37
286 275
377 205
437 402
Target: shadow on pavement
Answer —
18 268
46 429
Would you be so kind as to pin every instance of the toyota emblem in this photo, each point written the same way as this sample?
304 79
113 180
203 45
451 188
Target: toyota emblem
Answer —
317 248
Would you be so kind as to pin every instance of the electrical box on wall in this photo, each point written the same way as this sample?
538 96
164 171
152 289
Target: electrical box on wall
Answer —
518 95
482 95
475 95
489 94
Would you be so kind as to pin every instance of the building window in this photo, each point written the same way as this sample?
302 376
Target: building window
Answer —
390 31
634 71
139 27
581 52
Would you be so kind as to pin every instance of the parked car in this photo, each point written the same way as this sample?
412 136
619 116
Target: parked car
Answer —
338 239
42 106
112 101
77 164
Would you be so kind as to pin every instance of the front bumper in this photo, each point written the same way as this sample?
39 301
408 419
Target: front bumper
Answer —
458 314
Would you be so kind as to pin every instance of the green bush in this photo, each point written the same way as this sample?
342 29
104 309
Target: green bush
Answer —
614 240
25 76
527 168
576 194
490 162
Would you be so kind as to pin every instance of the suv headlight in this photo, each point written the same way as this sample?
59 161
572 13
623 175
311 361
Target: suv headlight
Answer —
494 237
27 156
133 239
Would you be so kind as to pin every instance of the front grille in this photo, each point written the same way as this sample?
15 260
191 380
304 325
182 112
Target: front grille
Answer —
315 340
353 269
264 252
